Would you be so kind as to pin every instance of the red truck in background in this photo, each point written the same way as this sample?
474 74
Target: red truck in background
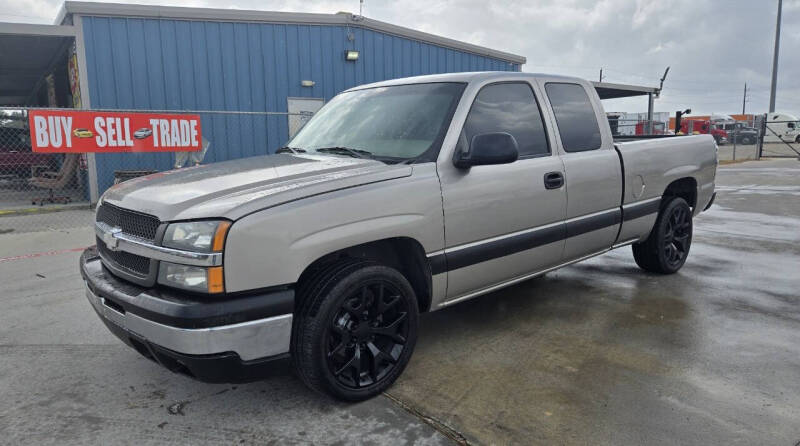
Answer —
656 128
16 157
696 126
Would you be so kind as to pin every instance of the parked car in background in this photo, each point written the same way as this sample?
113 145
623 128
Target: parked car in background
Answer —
16 157
703 127
396 198
738 132
782 127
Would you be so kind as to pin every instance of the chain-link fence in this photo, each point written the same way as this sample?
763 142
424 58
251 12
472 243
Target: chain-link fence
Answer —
781 138
35 188
621 127
41 191
737 140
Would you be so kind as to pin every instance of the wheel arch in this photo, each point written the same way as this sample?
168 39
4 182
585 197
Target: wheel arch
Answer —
405 254
685 188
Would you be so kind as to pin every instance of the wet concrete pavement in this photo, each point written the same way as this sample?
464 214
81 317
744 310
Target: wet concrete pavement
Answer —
64 379
603 353
598 352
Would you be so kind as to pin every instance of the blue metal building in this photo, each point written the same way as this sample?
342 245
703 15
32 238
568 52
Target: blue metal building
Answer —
136 57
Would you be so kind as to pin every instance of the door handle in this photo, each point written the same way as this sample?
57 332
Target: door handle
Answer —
553 180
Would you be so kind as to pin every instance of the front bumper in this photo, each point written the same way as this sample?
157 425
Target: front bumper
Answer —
216 339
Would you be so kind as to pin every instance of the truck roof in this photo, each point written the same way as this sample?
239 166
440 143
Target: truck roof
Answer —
475 76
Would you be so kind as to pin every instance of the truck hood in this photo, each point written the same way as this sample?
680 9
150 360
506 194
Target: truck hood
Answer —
236 188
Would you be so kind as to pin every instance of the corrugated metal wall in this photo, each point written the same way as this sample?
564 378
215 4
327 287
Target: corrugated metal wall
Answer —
159 64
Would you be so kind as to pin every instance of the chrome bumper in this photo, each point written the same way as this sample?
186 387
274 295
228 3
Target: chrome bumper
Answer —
250 340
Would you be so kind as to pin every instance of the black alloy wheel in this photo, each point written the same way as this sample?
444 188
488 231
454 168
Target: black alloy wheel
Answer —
355 328
367 335
677 235
667 248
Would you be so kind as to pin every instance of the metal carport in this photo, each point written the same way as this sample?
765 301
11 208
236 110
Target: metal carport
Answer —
29 53
608 90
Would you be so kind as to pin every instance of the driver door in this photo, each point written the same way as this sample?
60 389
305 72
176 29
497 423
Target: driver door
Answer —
502 221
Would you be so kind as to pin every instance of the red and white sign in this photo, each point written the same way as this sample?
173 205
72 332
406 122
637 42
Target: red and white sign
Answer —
65 131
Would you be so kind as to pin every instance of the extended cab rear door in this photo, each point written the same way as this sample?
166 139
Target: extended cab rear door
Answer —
592 167
505 221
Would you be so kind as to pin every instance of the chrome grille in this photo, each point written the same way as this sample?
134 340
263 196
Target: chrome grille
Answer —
131 222
131 263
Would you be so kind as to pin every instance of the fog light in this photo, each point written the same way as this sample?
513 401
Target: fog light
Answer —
192 278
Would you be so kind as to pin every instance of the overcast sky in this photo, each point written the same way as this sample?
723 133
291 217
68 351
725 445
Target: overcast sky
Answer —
713 47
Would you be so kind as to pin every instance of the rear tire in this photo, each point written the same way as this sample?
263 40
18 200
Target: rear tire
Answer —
355 330
666 249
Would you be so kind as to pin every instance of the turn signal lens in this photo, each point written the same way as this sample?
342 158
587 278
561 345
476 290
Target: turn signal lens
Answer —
216 282
219 236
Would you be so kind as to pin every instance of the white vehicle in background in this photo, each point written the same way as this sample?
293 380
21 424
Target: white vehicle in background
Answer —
782 127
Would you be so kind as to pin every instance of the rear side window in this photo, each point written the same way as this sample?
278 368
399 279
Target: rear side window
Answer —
510 108
575 117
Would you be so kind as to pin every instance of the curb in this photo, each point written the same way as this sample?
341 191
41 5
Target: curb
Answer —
43 210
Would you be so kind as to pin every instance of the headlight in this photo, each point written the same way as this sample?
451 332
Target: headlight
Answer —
195 236
192 278
198 236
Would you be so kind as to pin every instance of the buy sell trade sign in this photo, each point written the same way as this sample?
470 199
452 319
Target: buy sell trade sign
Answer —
56 131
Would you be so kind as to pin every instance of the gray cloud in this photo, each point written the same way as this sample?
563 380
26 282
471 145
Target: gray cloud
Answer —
713 47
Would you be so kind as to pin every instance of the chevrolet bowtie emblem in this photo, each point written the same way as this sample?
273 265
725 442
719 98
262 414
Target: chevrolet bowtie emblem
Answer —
110 239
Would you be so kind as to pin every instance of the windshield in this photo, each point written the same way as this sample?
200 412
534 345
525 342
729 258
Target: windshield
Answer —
396 123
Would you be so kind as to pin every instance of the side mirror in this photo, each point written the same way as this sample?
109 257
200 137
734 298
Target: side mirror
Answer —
488 148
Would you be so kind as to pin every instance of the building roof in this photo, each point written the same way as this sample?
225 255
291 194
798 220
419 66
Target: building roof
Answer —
34 50
613 91
240 15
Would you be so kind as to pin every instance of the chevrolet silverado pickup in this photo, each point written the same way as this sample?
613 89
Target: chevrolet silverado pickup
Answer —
396 198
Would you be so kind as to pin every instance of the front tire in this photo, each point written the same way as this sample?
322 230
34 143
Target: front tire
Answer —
666 249
355 330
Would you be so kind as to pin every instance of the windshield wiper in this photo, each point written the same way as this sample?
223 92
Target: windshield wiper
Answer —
409 161
287 149
355 153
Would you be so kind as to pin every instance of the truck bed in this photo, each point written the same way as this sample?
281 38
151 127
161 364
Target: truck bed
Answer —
651 164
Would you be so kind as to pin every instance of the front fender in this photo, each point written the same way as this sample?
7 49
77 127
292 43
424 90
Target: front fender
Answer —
274 246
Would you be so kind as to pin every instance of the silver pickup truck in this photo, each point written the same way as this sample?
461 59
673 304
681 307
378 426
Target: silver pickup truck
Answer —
396 198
